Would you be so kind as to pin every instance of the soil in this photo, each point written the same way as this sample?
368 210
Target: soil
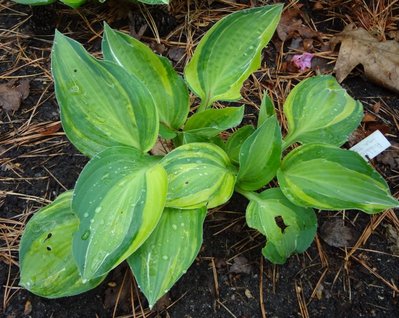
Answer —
229 278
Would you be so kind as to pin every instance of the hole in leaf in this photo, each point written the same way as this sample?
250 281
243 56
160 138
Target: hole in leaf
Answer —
280 223
186 182
75 70
48 248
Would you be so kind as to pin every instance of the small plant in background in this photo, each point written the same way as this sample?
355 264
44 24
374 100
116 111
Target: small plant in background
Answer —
78 3
149 210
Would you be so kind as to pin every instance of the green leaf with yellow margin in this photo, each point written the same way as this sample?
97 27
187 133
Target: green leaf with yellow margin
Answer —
319 110
167 254
199 174
155 72
101 104
288 228
119 198
229 52
45 252
326 177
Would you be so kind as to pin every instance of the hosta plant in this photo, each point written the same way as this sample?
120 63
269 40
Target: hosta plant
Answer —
129 204
78 3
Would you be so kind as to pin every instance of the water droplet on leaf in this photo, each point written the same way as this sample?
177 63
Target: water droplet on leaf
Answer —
74 89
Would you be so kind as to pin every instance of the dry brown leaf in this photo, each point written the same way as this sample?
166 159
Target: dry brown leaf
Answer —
390 157
379 59
291 26
12 95
27 308
369 118
336 234
240 265
393 238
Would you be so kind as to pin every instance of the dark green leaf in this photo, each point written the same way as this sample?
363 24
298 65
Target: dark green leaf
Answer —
266 109
211 122
260 156
234 143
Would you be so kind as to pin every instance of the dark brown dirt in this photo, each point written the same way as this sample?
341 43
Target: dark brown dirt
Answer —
229 278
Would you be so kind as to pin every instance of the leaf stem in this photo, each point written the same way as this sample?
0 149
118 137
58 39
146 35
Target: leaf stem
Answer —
251 196
203 106
288 141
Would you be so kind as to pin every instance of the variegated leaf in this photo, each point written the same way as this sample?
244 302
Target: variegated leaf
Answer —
319 110
119 198
229 52
101 104
45 252
198 174
155 72
327 177
167 254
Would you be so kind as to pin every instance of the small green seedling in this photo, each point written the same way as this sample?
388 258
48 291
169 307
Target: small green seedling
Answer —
149 210
78 3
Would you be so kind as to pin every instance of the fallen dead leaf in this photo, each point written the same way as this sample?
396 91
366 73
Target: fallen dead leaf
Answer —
176 53
393 238
291 26
240 266
357 136
161 147
380 60
368 117
336 234
27 308
319 291
390 157
12 95
318 6
377 107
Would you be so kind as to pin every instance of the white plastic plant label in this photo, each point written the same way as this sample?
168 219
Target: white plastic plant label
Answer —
372 145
